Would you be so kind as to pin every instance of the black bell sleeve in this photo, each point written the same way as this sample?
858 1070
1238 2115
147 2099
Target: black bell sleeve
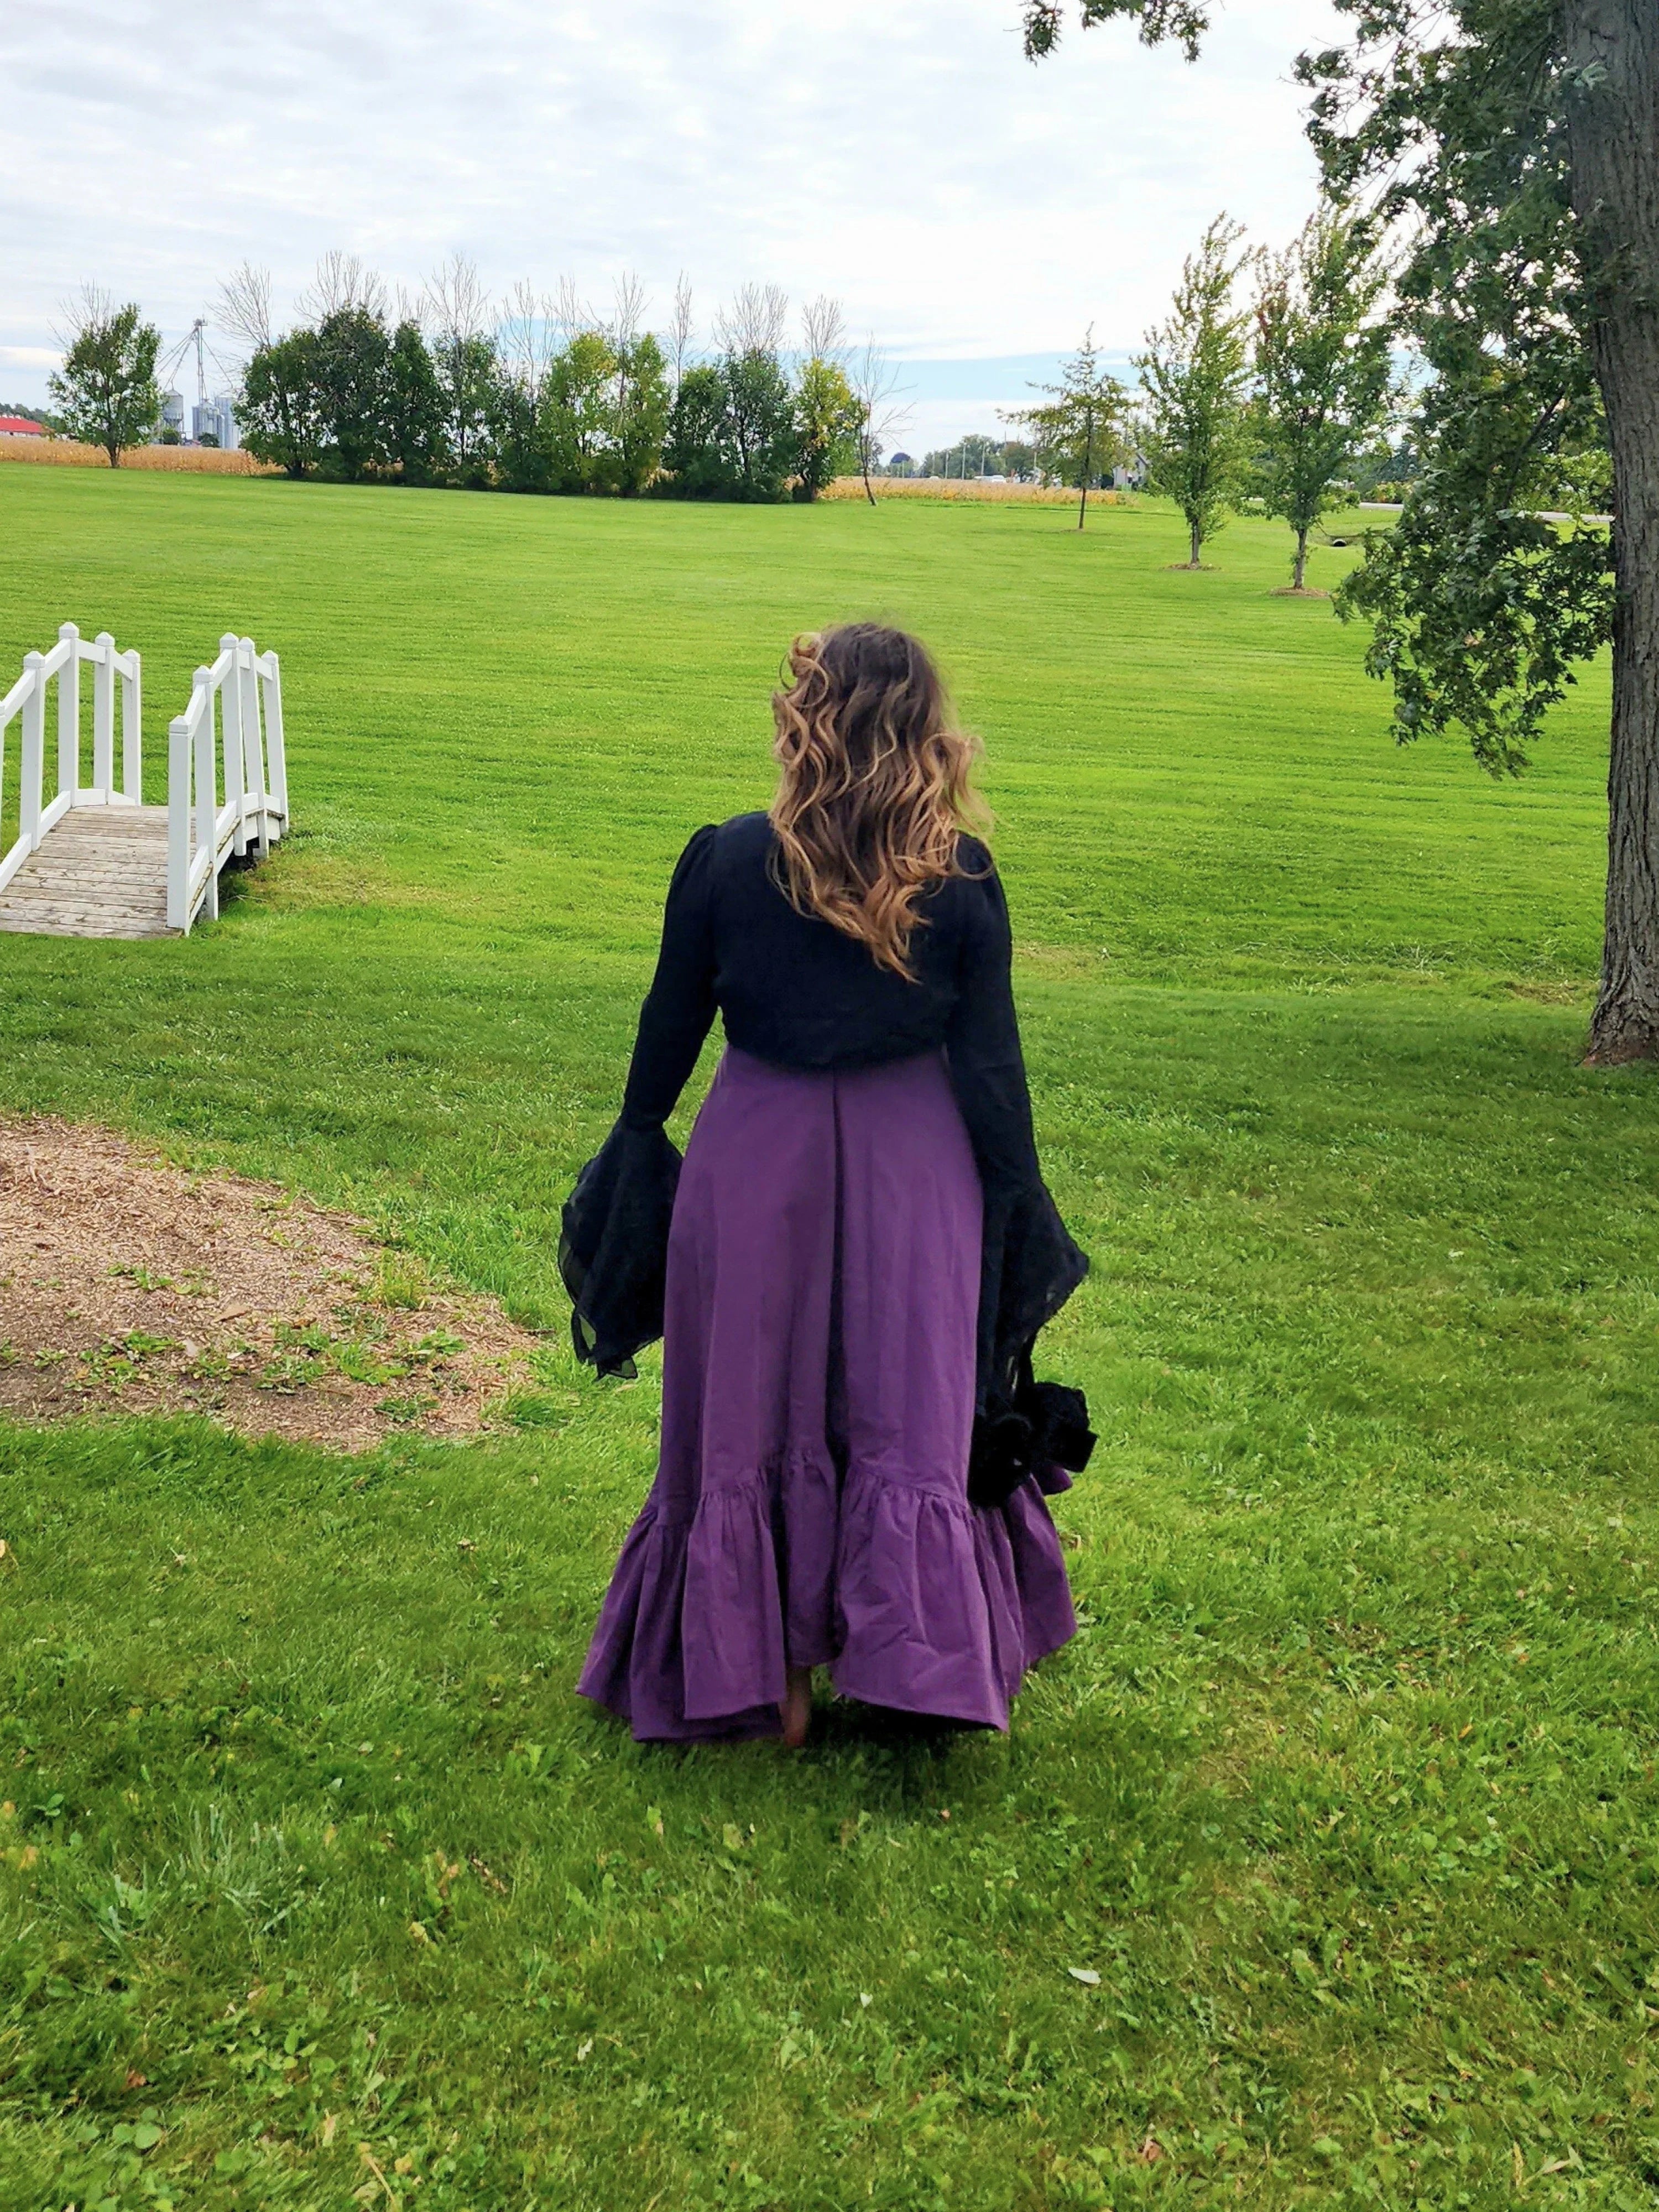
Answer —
1029 1265
613 1243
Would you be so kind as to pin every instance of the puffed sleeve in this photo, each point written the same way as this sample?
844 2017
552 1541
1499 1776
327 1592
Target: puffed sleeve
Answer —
1029 1265
613 1243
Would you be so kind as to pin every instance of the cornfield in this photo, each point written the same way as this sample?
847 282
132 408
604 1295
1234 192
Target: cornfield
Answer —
970 490
194 460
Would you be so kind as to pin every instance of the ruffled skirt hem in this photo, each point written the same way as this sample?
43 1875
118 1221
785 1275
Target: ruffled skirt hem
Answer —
915 1600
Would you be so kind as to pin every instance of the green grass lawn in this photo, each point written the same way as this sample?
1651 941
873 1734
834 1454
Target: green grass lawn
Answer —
317 1884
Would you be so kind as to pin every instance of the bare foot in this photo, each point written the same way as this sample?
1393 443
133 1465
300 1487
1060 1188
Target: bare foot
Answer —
797 1707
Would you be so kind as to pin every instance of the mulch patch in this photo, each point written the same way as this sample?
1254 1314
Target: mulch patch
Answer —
128 1286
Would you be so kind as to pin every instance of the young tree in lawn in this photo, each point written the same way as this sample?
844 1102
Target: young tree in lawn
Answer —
107 389
1077 432
414 407
352 358
1517 141
279 409
1194 380
1324 381
828 417
882 415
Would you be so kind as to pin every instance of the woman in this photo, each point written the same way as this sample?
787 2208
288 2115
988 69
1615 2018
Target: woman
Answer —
850 1271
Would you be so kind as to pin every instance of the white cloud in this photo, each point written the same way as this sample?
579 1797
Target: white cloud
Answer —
898 153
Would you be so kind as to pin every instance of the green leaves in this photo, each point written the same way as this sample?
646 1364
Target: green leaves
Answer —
1184 20
1322 369
1481 617
1077 433
1482 606
1194 376
106 388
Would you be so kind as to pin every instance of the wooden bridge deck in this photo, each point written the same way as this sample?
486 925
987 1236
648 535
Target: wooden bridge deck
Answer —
101 872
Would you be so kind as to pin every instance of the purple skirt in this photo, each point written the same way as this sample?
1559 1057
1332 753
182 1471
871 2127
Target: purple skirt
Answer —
811 1505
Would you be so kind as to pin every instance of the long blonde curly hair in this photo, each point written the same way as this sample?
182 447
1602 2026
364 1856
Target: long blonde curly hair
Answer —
875 789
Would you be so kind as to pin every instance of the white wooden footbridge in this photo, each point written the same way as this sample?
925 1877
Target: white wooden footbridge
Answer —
90 859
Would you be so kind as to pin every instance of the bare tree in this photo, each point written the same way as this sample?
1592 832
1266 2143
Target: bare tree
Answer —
755 319
456 315
527 336
823 331
244 307
879 393
627 319
571 312
682 330
454 304
343 280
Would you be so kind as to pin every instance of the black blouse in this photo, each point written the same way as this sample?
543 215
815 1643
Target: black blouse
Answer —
794 991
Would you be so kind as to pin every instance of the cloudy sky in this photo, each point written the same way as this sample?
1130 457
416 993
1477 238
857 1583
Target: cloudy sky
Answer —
975 213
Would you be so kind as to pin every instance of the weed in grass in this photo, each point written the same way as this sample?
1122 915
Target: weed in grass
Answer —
138 1345
400 1281
412 1408
288 1371
359 1364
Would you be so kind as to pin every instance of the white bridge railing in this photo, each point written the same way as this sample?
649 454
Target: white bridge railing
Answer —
26 703
227 775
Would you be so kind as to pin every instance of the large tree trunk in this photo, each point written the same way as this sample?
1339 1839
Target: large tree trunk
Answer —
1299 565
1613 135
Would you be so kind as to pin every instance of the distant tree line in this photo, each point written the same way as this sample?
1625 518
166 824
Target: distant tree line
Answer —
1286 401
978 456
542 395
1283 401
